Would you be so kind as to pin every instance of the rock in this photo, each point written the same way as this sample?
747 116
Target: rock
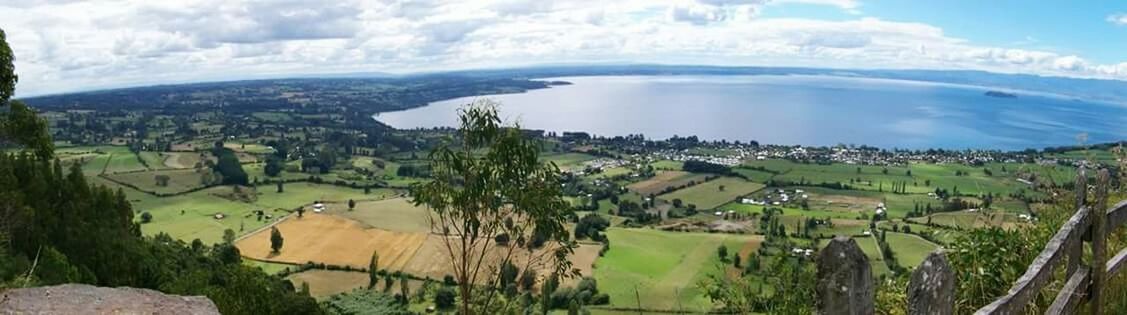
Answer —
87 299
932 288
845 279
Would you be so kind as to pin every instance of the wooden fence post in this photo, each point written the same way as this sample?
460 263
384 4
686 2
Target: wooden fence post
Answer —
1081 187
845 279
1099 242
932 288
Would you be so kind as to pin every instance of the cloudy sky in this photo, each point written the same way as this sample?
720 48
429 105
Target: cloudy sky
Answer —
68 45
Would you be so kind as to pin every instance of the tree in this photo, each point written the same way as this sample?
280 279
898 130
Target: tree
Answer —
162 180
736 260
492 182
722 251
146 217
281 189
444 298
300 211
351 204
274 166
20 124
228 237
373 270
228 166
275 240
403 288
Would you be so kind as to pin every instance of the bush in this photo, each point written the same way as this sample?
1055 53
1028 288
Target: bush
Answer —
444 298
600 299
146 217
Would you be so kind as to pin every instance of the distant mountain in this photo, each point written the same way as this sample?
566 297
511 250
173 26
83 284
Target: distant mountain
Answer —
1088 89
378 92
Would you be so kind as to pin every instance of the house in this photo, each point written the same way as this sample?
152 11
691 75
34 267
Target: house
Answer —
318 207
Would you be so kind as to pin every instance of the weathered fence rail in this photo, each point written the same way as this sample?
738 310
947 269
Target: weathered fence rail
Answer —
845 284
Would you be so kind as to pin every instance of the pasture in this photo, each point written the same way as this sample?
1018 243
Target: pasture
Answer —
868 245
178 180
395 214
664 267
665 179
567 161
909 250
324 283
713 193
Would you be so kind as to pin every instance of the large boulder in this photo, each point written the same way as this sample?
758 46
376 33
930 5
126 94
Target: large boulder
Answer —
87 299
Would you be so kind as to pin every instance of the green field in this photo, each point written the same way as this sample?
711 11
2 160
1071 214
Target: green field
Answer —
708 195
668 165
910 250
924 178
567 160
154 160
664 267
267 267
199 207
179 180
868 245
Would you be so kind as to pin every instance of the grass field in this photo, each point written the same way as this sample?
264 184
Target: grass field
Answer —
154 160
196 220
910 250
199 207
324 283
396 214
924 177
567 161
268 267
708 195
302 193
664 267
868 245
178 180
665 179
668 165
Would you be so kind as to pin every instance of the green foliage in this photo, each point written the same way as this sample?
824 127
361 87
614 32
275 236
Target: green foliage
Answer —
229 167
590 227
364 302
8 77
444 298
373 270
792 279
987 261
274 166
276 240
492 182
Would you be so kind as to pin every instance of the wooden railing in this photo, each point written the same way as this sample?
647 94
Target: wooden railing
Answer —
845 282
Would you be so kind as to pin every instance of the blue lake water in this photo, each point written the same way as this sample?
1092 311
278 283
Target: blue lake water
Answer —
804 110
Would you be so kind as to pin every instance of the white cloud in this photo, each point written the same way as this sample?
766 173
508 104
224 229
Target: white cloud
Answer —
76 45
1118 19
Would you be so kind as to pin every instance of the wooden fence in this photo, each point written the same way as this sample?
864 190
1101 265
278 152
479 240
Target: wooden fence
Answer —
845 282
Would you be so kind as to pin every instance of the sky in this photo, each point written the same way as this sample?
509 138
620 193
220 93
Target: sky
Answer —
67 45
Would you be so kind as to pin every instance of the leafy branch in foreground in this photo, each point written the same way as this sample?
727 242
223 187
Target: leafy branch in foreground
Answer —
491 183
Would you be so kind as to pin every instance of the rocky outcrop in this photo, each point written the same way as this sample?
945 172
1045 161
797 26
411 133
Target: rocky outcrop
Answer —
87 299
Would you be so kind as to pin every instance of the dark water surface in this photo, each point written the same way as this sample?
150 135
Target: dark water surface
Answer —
806 110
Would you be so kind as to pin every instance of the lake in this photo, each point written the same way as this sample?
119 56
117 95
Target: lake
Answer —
803 110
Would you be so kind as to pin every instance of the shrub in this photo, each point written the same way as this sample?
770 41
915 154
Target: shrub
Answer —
444 298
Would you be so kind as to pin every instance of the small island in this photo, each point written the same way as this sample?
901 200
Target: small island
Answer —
1000 94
